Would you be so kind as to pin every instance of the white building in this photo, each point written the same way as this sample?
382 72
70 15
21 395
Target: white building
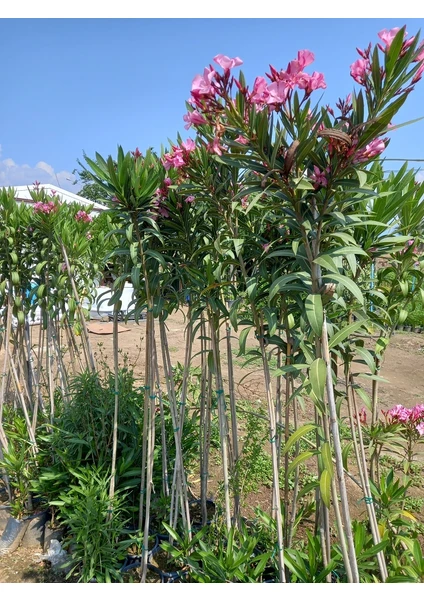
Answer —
22 194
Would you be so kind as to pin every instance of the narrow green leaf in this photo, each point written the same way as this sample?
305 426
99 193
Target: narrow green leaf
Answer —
295 437
317 377
325 487
314 312
344 333
298 460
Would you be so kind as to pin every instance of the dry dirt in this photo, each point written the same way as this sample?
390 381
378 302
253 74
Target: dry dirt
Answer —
403 369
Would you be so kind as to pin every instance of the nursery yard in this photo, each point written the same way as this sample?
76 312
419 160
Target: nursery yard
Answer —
403 368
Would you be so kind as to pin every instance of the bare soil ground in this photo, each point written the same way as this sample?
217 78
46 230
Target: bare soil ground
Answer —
403 368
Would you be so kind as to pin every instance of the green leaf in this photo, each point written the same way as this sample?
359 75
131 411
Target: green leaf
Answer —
314 312
238 245
364 397
325 487
348 284
342 334
242 340
327 262
299 459
318 377
326 457
295 437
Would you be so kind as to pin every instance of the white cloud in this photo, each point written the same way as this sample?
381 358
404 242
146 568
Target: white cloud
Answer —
12 174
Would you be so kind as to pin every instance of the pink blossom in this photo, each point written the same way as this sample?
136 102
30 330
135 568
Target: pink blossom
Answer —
418 74
190 199
400 414
372 149
278 92
215 147
137 153
189 145
319 177
63 267
89 236
309 83
167 181
359 69
202 85
304 58
417 412
420 428
260 91
241 140
227 63
45 207
163 212
245 202
265 247
83 216
388 35
193 118
420 56
36 184
173 159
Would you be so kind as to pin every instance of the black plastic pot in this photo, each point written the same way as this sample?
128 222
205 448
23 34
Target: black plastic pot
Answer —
34 535
211 507
5 513
407 328
12 535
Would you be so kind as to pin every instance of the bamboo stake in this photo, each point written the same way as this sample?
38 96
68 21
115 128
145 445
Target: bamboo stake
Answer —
234 428
220 396
116 406
338 455
86 337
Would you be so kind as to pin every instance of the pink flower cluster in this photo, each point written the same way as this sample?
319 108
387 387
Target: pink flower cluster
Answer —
83 216
361 68
374 148
45 207
283 82
179 155
320 177
414 417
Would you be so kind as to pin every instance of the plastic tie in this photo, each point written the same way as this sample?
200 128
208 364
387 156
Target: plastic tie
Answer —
181 403
147 387
150 310
116 393
152 397
176 429
273 439
218 392
368 499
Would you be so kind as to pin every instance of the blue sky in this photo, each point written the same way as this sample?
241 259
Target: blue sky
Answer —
74 85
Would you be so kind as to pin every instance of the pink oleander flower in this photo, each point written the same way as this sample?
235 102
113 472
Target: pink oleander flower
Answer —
44 207
417 412
266 247
400 414
189 145
36 184
420 56
202 85
167 181
388 35
215 147
418 74
83 216
309 83
260 91
319 177
227 63
193 118
173 159
304 58
89 236
241 140
372 149
420 428
362 416
359 70
136 153
245 202
190 199
278 92
63 267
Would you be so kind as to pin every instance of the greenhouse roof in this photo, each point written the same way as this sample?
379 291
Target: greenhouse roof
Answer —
22 194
